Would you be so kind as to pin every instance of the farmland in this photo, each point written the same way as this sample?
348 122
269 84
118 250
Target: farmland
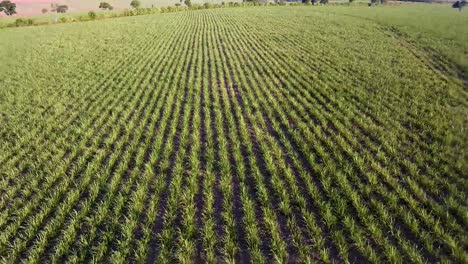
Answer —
261 134
34 7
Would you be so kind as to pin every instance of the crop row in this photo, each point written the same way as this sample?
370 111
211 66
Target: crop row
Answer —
217 136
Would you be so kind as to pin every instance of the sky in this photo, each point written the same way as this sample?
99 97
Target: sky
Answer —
33 1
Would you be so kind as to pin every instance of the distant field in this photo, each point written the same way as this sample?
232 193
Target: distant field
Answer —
260 134
436 28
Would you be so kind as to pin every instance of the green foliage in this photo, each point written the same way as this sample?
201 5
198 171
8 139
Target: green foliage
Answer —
418 22
459 4
135 4
188 3
8 7
231 134
105 5
92 15
22 22
61 9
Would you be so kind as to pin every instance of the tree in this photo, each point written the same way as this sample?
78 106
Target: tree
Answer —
8 8
135 4
105 5
306 1
62 9
44 10
54 7
459 4
188 3
92 15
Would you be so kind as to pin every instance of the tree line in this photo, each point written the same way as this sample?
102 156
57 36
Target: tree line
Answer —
9 8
